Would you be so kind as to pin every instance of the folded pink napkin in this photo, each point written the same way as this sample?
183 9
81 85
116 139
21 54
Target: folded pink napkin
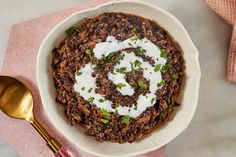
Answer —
227 10
20 60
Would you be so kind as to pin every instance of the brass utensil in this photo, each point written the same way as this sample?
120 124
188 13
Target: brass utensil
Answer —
16 101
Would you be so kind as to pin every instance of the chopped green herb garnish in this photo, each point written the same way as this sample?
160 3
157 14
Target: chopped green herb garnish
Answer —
79 73
175 76
129 44
133 30
90 90
83 88
116 111
145 41
111 57
105 113
121 70
140 50
72 30
157 68
125 119
113 73
101 100
137 63
104 121
164 54
77 117
91 99
136 107
117 105
160 83
142 84
132 67
122 57
120 85
153 99
89 52
165 68
135 37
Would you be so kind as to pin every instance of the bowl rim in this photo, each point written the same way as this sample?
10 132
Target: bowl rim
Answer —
190 42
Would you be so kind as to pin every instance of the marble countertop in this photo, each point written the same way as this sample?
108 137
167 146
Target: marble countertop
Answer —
212 132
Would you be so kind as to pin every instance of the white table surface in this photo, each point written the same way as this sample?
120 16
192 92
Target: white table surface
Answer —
212 131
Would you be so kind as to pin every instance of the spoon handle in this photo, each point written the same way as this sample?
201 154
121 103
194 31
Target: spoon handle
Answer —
53 144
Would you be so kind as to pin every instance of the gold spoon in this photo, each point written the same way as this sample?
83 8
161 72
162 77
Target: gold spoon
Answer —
16 101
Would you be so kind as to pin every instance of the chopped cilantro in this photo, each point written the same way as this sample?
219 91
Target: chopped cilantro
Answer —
140 50
83 88
79 73
165 68
133 30
164 54
129 44
90 90
125 119
89 52
77 117
152 101
132 67
157 68
142 84
175 76
113 73
137 63
116 111
105 113
120 85
101 100
122 57
104 121
72 30
117 105
110 57
135 37
91 99
121 70
160 83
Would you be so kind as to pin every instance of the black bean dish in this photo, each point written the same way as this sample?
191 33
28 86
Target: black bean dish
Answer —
118 76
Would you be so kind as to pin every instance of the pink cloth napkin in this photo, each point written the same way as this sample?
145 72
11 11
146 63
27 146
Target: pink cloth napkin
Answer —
20 59
227 10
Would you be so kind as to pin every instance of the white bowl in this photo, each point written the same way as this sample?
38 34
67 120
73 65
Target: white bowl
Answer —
155 140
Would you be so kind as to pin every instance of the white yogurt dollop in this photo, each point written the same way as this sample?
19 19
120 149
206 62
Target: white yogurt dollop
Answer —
85 81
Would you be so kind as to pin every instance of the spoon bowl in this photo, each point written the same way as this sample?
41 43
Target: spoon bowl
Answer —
16 101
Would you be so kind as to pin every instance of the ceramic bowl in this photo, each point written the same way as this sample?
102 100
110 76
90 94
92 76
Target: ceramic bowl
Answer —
159 137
